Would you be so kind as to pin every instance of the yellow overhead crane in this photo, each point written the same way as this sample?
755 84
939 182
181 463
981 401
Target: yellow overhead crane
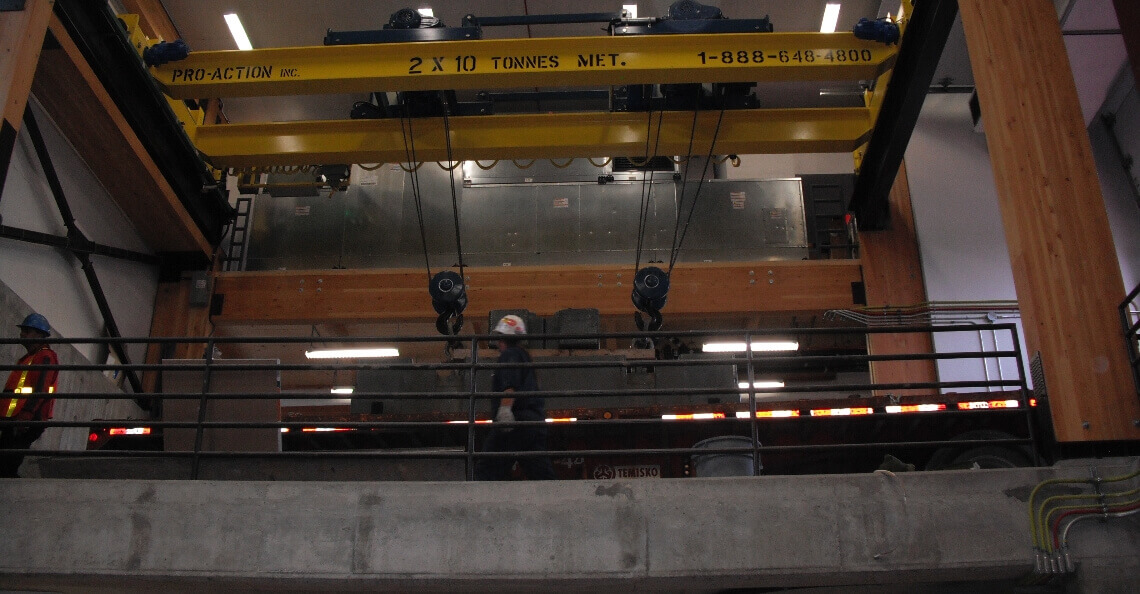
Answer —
542 62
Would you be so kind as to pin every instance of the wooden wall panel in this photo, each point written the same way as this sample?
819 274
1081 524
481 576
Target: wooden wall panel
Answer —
1060 244
394 295
174 317
892 273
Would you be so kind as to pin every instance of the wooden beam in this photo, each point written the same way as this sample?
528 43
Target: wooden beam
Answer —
892 274
153 19
1060 244
75 99
287 297
21 37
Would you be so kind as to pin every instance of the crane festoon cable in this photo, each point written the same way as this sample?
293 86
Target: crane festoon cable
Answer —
676 250
410 153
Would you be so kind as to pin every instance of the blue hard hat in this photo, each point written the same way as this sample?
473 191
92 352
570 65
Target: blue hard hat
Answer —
36 321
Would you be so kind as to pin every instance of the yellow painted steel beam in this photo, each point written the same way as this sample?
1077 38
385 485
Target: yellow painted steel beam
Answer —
508 63
534 136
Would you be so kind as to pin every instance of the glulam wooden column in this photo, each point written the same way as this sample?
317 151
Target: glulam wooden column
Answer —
1064 264
892 276
21 38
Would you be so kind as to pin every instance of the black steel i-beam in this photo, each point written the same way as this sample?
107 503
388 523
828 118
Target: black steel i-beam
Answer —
918 56
76 237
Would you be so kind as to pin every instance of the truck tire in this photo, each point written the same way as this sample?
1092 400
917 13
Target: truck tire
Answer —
983 456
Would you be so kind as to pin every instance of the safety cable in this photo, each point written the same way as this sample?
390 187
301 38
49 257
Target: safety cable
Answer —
410 153
643 216
675 250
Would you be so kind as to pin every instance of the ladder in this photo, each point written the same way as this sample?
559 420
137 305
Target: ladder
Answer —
236 255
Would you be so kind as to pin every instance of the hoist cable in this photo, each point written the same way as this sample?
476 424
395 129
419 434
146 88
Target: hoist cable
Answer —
451 175
684 179
643 217
410 154
676 251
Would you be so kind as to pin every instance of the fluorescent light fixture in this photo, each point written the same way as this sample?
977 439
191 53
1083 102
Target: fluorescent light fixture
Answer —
352 353
757 345
342 390
759 385
830 18
630 9
762 384
426 12
238 32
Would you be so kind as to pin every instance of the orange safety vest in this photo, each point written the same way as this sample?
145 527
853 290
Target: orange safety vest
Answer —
31 381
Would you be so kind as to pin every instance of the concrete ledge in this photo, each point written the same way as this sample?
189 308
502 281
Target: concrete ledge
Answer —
695 535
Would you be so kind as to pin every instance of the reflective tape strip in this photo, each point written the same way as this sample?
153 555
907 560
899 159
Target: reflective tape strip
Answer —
11 408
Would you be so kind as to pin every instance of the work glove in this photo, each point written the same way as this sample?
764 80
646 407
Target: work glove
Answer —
504 415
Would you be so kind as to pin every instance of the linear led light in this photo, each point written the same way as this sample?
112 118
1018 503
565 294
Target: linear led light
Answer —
238 32
695 416
830 18
342 390
757 345
352 353
768 414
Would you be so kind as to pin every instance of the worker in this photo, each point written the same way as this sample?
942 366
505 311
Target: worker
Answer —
513 406
23 384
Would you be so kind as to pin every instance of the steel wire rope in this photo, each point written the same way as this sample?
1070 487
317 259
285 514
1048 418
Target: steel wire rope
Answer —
643 215
675 248
451 176
410 154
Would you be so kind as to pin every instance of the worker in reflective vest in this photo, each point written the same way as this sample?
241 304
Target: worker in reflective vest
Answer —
23 384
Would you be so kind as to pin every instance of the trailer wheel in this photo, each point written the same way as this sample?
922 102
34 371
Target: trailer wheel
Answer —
984 456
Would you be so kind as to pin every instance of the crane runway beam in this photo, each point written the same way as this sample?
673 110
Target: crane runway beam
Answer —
531 136
512 63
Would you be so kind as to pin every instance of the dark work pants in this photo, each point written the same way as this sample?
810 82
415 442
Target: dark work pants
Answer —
15 438
520 439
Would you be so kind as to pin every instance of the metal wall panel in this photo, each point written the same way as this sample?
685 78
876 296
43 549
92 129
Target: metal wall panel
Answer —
498 224
374 224
296 232
559 210
537 171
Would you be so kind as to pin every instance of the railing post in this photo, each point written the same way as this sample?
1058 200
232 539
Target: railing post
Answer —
1024 387
752 420
473 385
199 430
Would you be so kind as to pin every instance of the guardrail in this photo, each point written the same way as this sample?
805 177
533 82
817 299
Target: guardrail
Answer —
819 417
1130 320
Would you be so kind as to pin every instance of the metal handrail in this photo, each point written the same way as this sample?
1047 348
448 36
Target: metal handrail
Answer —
753 364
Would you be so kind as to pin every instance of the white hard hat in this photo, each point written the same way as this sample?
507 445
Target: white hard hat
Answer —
511 324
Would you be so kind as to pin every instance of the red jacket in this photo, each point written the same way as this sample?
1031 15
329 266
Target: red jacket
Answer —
31 381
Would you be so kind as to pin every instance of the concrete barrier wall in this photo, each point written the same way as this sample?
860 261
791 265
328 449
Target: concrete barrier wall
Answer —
668 535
